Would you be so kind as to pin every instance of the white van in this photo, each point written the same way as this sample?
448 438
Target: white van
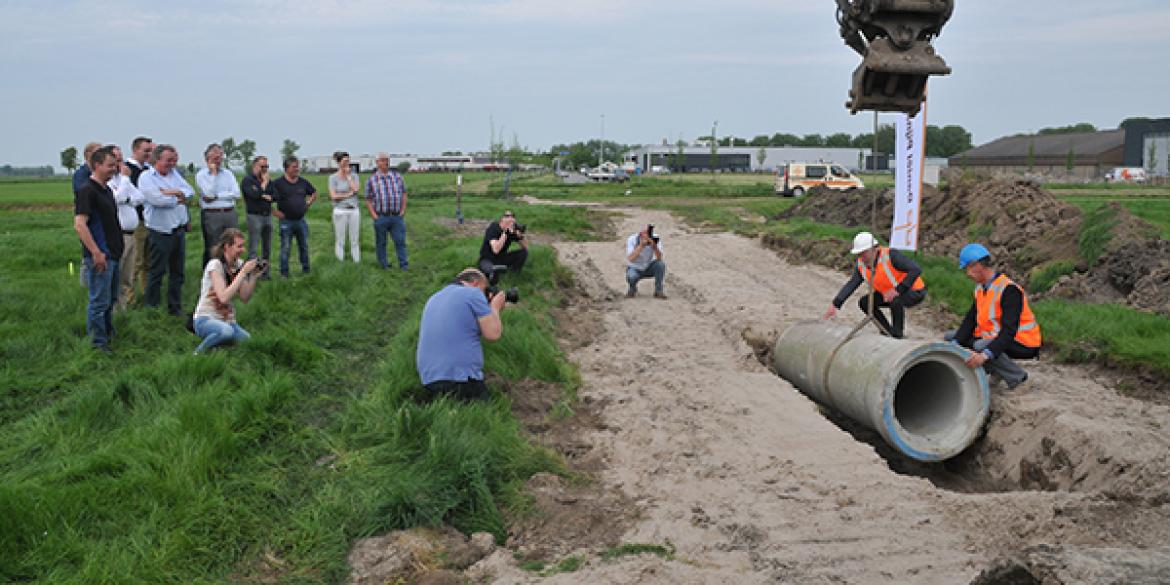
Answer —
1126 175
795 179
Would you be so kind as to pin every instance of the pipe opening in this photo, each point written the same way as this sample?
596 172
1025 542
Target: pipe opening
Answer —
928 400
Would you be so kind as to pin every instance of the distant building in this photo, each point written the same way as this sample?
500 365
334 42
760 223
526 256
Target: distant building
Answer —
366 163
1147 145
741 158
1092 155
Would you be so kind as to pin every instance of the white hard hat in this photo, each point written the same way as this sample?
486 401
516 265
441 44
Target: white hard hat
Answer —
862 242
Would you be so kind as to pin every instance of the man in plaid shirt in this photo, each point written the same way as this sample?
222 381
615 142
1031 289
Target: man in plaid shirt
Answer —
386 201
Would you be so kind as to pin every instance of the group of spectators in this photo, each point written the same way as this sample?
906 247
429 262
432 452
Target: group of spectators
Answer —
131 216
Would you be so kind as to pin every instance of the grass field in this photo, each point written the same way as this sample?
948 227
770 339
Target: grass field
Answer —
153 465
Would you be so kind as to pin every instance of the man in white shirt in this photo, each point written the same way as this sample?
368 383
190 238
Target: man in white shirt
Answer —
167 194
644 260
140 152
128 198
218 203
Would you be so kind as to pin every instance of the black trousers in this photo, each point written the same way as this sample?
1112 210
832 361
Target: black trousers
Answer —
469 391
514 260
897 309
168 255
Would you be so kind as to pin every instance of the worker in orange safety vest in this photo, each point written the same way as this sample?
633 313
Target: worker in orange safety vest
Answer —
897 283
1000 325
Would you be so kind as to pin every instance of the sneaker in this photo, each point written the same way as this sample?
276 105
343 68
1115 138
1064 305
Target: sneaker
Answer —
660 295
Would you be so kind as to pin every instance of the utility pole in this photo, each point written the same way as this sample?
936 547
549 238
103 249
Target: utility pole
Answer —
714 148
601 153
873 154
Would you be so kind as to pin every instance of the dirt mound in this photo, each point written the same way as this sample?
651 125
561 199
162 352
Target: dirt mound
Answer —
1133 270
1022 224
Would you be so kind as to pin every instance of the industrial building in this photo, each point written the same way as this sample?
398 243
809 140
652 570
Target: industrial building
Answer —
740 158
1147 145
1083 155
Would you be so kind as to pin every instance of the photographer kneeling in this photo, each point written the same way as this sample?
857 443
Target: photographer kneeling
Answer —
450 355
644 260
225 277
494 251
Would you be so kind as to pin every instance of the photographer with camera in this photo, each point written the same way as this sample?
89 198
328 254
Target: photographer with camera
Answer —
644 260
450 355
225 277
496 240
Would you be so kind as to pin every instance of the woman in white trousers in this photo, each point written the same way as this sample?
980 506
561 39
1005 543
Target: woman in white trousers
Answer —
343 192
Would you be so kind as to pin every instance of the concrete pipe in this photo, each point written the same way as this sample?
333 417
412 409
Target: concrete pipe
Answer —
920 396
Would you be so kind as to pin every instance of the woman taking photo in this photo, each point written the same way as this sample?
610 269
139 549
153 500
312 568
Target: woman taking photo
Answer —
343 191
225 278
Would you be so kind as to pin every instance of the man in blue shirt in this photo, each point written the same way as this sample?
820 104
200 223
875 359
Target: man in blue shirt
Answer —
450 355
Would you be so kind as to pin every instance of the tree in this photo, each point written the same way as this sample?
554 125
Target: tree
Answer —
403 166
230 150
812 140
779 139
1031 154
714 150
245 151
680 157
289 149
1152 157
838 140
761 155
1070 160
69 158
761 140
1070 129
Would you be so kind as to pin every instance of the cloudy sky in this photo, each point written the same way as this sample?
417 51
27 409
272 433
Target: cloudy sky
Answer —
419 76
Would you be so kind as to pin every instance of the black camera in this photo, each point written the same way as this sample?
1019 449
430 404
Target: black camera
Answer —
261 265
650 232
512 295
518 230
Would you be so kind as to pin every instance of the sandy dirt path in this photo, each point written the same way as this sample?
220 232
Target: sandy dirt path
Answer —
750 483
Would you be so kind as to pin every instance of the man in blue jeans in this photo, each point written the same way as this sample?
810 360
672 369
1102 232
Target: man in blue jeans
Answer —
294 196
96 221
386 202
644 260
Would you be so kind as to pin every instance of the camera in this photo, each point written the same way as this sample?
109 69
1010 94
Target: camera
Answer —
261 265
650 232
518 230
512 295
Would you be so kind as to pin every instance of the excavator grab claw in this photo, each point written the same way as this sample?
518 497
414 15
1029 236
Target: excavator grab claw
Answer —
893 37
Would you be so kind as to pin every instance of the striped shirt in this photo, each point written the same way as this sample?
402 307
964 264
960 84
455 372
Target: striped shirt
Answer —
387 192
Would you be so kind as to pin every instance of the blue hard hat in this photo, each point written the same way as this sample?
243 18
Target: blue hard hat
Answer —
972 253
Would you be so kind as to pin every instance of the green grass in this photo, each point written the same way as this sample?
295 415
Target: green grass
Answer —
1096 231
627 549
1155 210
153 465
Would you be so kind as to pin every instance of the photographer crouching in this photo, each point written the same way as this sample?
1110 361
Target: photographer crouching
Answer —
450 355
225 278
494 251
644 260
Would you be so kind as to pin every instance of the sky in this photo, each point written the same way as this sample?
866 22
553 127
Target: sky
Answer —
421 77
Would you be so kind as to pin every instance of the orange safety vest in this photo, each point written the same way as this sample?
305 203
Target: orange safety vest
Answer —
989 313
888 277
